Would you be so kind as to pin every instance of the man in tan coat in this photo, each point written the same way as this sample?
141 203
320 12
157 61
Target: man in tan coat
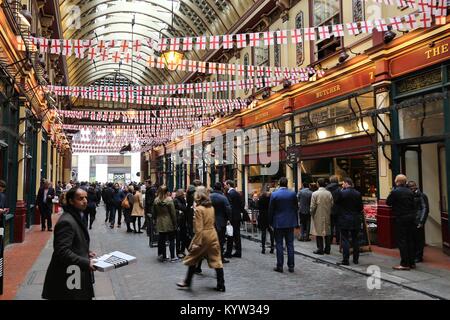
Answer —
321 204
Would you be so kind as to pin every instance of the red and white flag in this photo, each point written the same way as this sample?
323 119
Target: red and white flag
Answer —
187 44
268 38
200 43
67 47
174 44
43 45
282 37
79 48
214 42
366 26
297 36
55 47
310 34
241 40
324 32
201 67
254 39
396 23
338 30
228 41
212 68
410 21
352 28
380 25
232 69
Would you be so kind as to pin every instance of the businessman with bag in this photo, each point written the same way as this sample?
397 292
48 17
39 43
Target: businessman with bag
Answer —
222 210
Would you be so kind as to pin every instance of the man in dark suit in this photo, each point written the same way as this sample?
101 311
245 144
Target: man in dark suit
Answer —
107 196
70 273
237 208
283 218
349 219
334 188
304 203
401 199
222 210
423 209
44 201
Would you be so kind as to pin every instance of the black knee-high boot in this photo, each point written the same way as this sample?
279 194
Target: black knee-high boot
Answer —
190 275
220 280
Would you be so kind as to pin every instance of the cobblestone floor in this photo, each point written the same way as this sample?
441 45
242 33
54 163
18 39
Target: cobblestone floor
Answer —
250 277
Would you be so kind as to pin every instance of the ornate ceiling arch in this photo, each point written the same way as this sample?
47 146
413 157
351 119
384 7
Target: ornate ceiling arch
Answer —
100 19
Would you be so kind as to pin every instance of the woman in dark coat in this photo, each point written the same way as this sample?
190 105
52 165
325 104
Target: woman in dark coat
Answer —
181 212
129 192
91 209
263 221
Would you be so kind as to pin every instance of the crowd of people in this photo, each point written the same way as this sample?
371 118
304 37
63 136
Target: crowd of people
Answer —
202 223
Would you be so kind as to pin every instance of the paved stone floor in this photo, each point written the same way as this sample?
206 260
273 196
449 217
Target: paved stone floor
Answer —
250 277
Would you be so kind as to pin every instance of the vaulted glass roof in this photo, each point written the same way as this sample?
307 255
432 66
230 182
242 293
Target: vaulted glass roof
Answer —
112 19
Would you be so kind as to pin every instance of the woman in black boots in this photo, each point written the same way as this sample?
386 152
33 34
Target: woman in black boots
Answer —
263 220
205 242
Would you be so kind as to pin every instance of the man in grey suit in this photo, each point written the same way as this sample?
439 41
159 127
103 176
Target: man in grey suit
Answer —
304 202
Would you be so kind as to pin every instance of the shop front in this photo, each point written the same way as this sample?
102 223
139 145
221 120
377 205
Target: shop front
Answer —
419 137
335 133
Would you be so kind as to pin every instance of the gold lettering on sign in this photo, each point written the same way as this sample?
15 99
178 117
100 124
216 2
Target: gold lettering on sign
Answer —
440 50
261 116
329 91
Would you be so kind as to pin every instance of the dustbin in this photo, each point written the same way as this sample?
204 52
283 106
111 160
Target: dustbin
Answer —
20 217
385 226
37 216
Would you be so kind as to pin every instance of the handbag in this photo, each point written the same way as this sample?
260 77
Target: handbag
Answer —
125 203
229 230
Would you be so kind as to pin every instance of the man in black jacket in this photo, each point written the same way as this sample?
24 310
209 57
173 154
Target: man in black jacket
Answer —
107 196
334 188
349 219
423 209
150 195
237 212
401 199
222 210
70 273
44 201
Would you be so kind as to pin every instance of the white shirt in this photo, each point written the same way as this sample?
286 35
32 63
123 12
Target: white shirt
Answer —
45 195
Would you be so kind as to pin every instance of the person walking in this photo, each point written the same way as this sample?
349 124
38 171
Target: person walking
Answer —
138 210
71 253
107 196
238 213
91 209
166 223
321 204
44 201
190 204
116 206
263 221
283 217
150 194
181 212
304 203
222 211
127 207
334 188
401 199
423 209
205 241
349 219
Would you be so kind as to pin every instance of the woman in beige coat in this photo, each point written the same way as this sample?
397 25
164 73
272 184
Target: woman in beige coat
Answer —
321 204
205 242
138 210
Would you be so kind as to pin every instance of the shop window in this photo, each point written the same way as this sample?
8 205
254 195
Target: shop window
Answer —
326 13
358 10
426 119
340 120
299 48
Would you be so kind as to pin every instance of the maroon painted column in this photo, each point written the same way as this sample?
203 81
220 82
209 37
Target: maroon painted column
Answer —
19 221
